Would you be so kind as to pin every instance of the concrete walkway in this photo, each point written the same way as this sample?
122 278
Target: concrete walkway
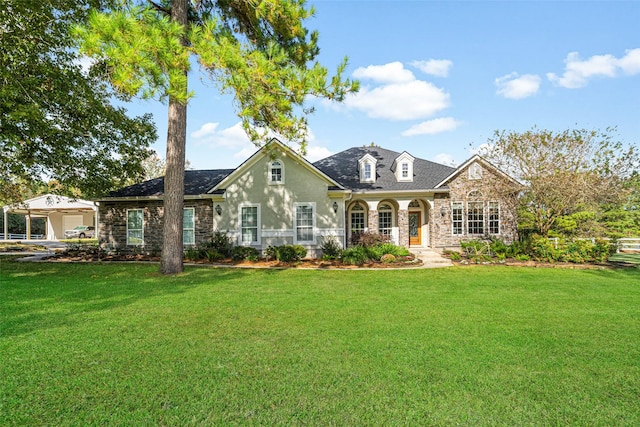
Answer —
51 247
430 258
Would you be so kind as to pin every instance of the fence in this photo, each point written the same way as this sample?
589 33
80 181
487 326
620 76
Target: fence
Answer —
626 244
14 236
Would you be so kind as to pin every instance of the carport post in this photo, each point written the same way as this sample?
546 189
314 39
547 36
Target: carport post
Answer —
6 226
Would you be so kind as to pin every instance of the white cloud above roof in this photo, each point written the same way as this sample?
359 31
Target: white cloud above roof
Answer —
578 72
398 95
233 136
431 127
393 72
445 159
434 67
515 86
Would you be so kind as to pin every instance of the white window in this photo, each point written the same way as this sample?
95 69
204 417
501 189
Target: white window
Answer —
405 170
135 227
385 220
494 218
188 226
402 167
276 172
457 221
304 222
367 165
357 220
475 218
250 224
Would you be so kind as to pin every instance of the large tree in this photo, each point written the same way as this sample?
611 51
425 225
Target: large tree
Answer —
56 120
259 51
564 172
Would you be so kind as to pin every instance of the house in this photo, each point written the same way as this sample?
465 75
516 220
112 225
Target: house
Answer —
277 197
61 213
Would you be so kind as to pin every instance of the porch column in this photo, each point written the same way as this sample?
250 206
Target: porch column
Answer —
28 221
403 222
372 217
6 225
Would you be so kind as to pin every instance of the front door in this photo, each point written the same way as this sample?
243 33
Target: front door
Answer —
415 229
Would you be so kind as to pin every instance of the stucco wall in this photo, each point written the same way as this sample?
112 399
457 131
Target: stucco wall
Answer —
277 203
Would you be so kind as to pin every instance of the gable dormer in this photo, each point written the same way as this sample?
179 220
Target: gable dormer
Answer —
403 167
367 167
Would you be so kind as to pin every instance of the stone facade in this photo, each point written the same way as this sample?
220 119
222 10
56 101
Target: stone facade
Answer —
113 223
481 190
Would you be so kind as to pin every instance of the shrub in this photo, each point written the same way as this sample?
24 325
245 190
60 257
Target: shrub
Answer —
477 250
194 254
522 257
286 253
221 243
369 238
498 248
355 255
543 249
454 255
331 248
248 253
388 258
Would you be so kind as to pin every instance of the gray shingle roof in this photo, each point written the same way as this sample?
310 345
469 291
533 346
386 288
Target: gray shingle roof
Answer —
343 167
195 182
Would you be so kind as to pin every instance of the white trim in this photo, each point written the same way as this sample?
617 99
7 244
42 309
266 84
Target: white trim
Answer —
461 203
367 160
270 169
141 229
258 225
193 217
499 218
403 159
483 162
313 223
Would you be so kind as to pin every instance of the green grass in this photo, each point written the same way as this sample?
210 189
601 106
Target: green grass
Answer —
86 344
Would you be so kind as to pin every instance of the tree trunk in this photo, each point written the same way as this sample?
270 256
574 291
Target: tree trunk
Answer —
172 248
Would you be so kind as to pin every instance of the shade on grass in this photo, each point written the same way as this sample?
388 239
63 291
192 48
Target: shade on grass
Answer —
120 345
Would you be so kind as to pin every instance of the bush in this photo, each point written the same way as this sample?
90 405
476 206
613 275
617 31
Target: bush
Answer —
453 255
355 255
369 238
221 243
477 250
240 253
388 258
543 249
331 248
286 253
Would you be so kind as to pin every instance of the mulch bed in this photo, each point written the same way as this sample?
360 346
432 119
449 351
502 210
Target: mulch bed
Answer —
94 255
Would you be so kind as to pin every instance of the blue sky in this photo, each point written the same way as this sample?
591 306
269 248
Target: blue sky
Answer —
439 77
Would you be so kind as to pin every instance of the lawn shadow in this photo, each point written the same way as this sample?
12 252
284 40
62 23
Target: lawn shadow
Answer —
36 296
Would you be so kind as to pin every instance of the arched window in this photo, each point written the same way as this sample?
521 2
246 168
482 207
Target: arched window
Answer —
357 219
276 172
385 219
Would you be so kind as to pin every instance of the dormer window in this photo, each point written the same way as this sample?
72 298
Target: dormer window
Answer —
405 170
475 171
367 168
403 167
276 172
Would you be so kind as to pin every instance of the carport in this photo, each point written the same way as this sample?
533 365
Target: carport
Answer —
62 213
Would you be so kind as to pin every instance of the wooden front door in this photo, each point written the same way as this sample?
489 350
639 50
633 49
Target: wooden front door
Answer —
415 229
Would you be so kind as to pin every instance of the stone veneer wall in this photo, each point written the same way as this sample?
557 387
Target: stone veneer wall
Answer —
113 223
441 227
403 227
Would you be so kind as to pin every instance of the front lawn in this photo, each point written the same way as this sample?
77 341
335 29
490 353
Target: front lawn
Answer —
114 344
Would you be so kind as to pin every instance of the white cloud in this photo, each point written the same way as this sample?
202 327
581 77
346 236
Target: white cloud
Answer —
577 71
209 134
431 127
393 72
481 149
434 67
514 86
315 153
400 101
630 62
85 63
205 130
445 159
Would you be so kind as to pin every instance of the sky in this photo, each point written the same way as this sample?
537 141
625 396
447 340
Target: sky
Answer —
438 78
